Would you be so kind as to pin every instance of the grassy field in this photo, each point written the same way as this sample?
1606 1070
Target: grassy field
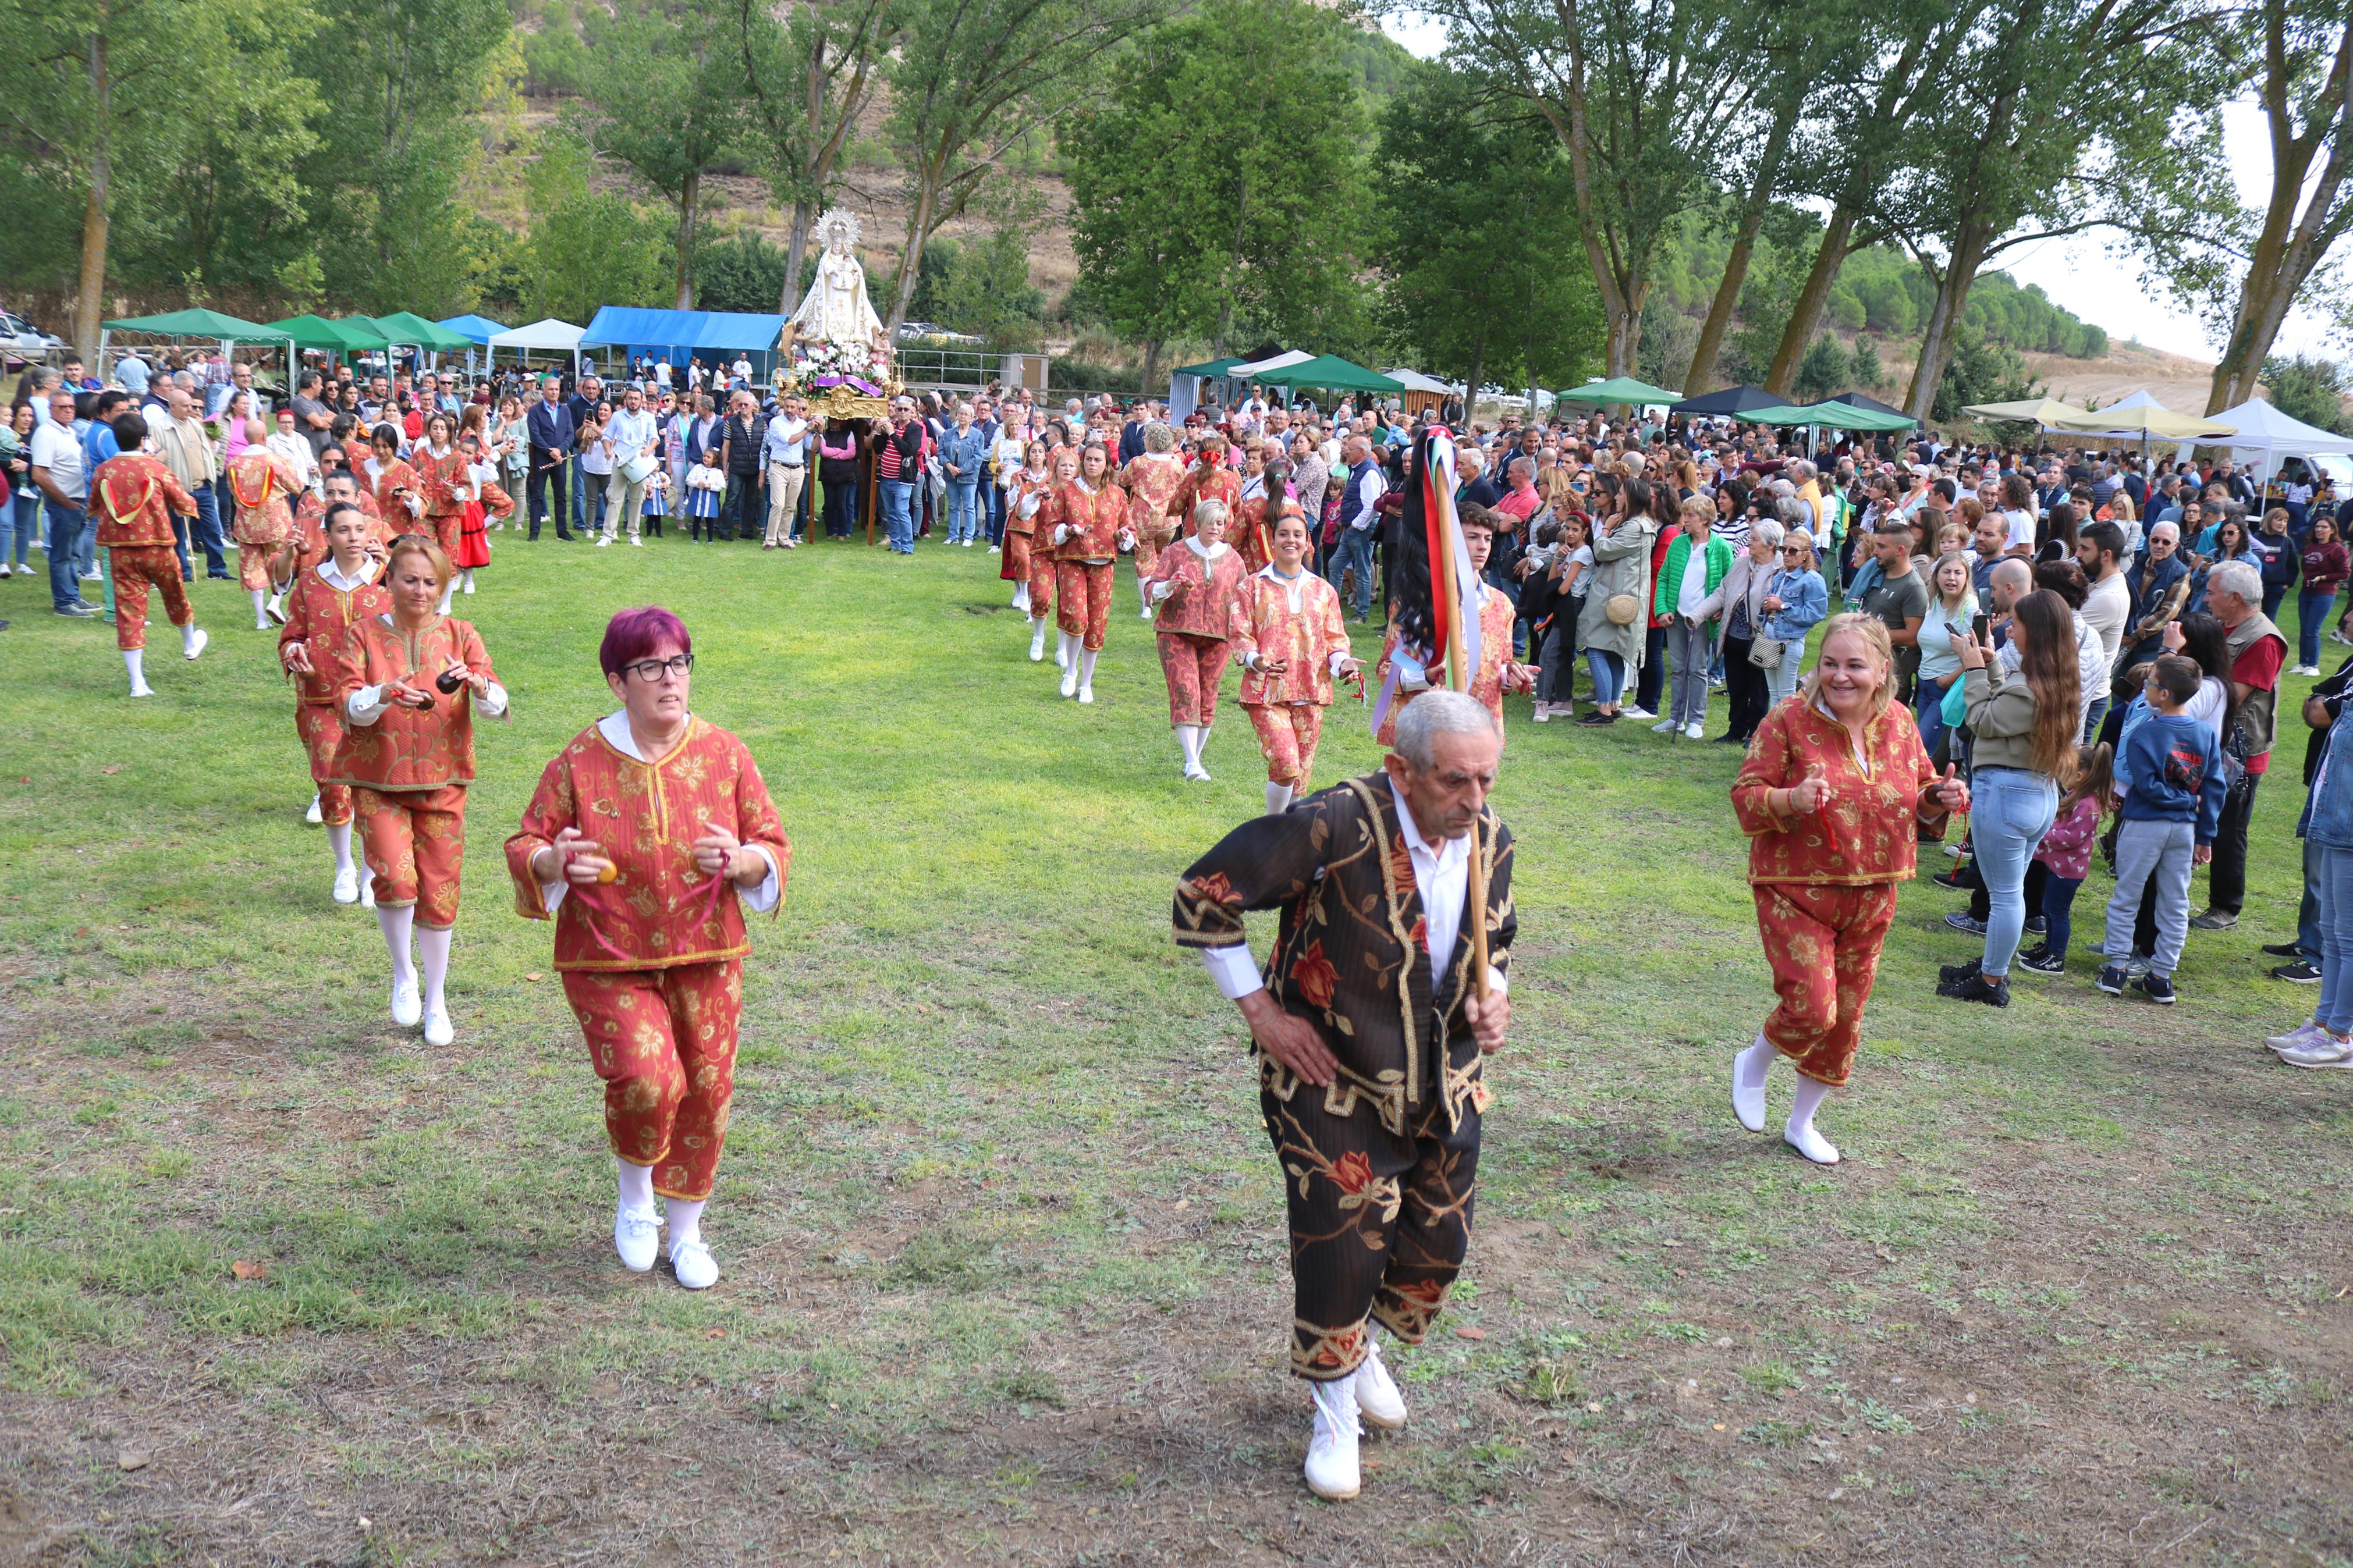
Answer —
1005 1270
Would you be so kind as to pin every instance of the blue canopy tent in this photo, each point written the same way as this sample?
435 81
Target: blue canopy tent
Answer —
477 328
678 335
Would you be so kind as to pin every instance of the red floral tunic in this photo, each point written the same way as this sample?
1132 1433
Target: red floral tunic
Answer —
1496 615
1150 480
660 911
1094 520
1203 604
1204 481
1865 831
134 496
1252 531
1265 624
440 480
409 748
263 484
1025 484
322 616
397 475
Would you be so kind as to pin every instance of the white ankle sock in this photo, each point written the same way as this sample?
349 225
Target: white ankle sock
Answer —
685 1216
1752 1064
259 599
1810 1098
1277 799
189 636
395 923
636 1184
1087 667
1189 737
433 954
339 840
135 659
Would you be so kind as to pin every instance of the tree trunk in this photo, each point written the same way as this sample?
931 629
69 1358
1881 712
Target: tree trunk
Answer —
690 195
1151 367
1226 300
919 227
89 305
1812 300
2290 245
1702 376
804 215
1944 314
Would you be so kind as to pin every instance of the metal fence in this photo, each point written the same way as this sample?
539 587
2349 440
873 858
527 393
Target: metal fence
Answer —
945 369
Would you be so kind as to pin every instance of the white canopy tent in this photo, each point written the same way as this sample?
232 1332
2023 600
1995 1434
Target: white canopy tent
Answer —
1282 361
2265 435
546 337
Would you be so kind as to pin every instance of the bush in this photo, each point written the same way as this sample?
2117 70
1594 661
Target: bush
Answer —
1822 371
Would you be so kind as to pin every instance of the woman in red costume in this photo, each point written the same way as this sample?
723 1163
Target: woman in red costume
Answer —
1292 644
1088 536
1195 584
322 605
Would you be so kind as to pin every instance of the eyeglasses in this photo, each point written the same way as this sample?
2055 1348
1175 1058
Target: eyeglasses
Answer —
652 669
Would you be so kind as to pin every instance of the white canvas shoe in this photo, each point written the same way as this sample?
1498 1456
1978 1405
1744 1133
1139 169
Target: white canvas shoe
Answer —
192 645
637 1236
1332 1470
438 1031
1811 1144
347 885
1070 680
1378 1399
691 1262
407 1006
1748 1103
1038 644
1087 694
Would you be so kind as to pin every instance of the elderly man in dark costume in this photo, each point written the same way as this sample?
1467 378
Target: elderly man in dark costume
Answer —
1370 1029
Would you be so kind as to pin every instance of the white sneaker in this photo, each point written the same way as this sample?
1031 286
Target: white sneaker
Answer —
2308 1033
1748 1104
312 815
637 1236
142 690
637 543
407 1006
196 645
1036 649
1631 711
347 885
2331 1052
1332 1470
1087 694
2306 669
1811 1144
1663 727
438 1031
1147 612
691 1261
1544 713
1070 680
467 587
602 542
1694 731
1378 1399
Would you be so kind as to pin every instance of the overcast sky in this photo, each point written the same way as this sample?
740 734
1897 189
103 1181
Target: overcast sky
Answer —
2078 272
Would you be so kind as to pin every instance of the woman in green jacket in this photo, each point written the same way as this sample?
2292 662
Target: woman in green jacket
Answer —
1696 563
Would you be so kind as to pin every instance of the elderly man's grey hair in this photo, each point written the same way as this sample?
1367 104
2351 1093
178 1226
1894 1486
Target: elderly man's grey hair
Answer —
2240 579
1795 513
1436 713
2171 530
1803 470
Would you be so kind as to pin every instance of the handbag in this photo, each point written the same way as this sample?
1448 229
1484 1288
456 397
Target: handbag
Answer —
1622 609
1766 653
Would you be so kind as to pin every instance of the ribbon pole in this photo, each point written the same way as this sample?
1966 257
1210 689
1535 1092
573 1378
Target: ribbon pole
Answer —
1458 679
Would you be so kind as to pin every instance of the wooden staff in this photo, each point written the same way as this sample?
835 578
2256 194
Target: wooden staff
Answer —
1458 679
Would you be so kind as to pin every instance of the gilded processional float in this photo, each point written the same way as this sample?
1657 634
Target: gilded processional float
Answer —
836 351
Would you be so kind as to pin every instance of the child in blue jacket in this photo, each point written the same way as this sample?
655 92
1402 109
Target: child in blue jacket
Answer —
2168 817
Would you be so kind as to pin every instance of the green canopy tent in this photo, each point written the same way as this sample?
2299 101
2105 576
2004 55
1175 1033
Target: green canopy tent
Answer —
1829 417
407 327
208 326
1210 369
323 336
1331 372
1618 389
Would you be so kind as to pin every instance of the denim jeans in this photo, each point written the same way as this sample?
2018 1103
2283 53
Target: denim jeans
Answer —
2307 909
1608 676
963 505
2093 717
65 532
24 505
206 532
2010 812
898 520
993 499
1355 552
2058 913
2336 877
1930 699
579 494
1783 678
2312 619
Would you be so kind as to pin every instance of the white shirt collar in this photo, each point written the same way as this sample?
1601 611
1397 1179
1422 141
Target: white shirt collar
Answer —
1209 554
333 578
614 727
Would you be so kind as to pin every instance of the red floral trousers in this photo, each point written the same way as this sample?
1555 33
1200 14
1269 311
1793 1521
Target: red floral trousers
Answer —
1082 601
1823 944
1288 733
664 1042
1194 665
136 567
321 725
415 843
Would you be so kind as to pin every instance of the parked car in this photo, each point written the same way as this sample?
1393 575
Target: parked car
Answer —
20 335
936 336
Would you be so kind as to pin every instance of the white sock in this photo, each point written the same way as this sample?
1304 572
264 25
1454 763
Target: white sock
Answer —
1277 799
1065 644
636 1184
452 588
1750 1066
1801 1111
1087 667
339 840
685 1216
395 923
432 952
466 579
189 636
1036 637
1189 737
1021 595
134 661
260 617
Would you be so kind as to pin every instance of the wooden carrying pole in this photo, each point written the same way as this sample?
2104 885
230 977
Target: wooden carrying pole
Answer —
1458 679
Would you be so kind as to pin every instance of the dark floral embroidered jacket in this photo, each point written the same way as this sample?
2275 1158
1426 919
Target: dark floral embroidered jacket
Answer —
1351 957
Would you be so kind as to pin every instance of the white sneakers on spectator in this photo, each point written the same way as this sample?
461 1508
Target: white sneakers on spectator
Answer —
1664 727
1695 730
2329 1051
1331 1468
2308 1033
637 1236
